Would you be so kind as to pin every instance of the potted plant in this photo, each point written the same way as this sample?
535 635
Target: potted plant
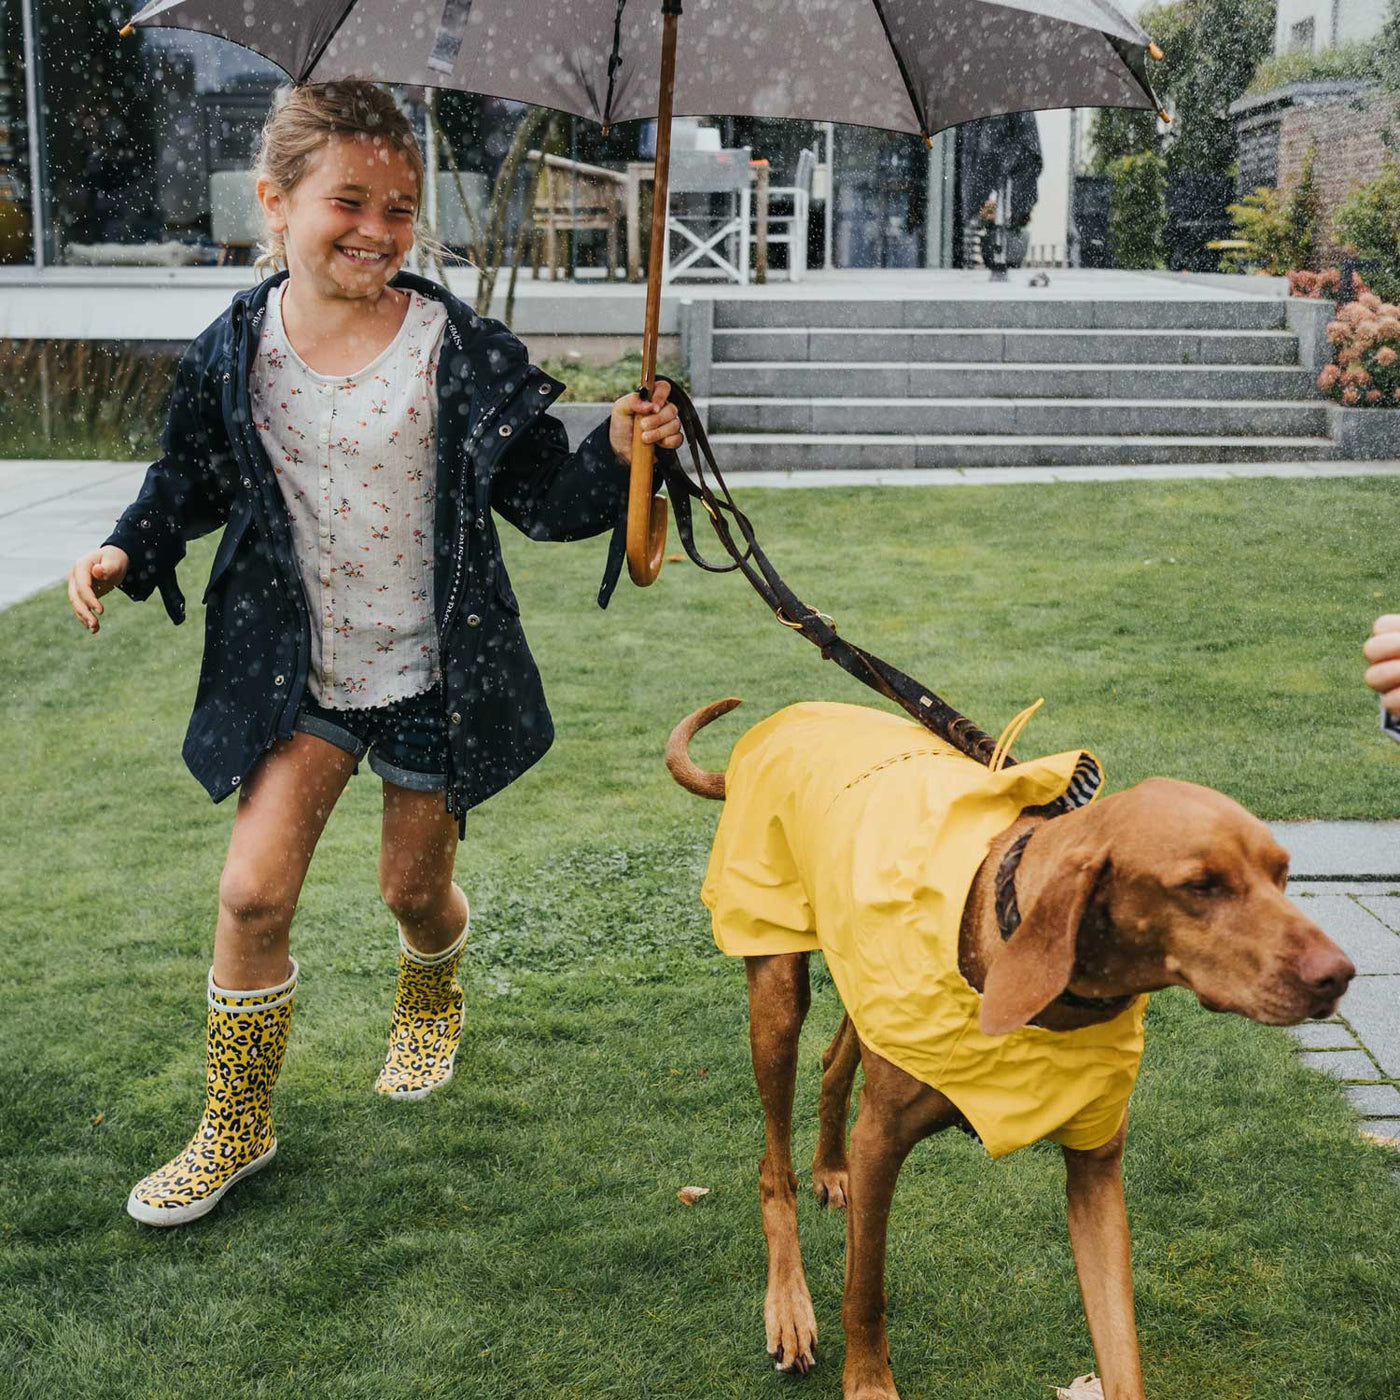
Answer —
1363 379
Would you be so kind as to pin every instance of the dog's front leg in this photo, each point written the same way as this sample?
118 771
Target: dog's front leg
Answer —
896 1111
1098 1231
779 996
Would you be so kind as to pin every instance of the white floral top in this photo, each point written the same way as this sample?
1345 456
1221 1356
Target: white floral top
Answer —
355 457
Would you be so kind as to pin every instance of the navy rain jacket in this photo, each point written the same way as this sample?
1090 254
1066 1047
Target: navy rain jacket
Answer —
497 450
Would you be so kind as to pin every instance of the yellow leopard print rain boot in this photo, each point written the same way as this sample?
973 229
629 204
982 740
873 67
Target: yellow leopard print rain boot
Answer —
427 1025
247 1037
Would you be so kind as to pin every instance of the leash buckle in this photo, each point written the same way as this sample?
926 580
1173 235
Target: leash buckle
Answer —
797 626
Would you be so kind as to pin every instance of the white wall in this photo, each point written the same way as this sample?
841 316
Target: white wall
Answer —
1050 218
1359 19
1334 21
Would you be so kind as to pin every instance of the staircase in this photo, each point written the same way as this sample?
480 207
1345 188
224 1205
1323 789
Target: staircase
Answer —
889 384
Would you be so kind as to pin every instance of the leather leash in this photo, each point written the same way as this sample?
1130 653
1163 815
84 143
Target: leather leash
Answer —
918 700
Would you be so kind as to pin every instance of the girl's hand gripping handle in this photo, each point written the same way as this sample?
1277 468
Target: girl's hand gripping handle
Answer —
93 574
639 426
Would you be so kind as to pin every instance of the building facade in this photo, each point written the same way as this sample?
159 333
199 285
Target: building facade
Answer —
135 152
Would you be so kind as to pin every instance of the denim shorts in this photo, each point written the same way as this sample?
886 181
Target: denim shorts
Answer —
406 739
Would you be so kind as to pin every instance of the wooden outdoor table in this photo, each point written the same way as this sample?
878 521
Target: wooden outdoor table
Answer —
639 171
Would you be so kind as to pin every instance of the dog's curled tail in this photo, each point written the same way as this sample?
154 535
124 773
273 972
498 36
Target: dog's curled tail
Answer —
683 768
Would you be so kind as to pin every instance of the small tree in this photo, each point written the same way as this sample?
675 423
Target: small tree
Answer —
1280 227
1210 51
1369 224
1121 131
1388 48
1137 218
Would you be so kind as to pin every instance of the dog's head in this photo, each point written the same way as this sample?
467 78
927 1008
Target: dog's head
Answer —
1167 884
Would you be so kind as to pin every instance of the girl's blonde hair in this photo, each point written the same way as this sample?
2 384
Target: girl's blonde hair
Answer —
304 118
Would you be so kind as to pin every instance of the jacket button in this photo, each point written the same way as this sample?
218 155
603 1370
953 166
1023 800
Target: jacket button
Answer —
480 522
544 388
247 481
236 780
281 680
456 718
473 620
505 430
145 524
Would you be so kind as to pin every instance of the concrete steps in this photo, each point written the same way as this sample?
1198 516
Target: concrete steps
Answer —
1016 417
1012 313
855 379
872 451
880 384
921 345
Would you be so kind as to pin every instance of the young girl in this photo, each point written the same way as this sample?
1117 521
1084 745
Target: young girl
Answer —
352 427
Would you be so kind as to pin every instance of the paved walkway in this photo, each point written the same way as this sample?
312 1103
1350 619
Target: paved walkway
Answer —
51 511
1346 875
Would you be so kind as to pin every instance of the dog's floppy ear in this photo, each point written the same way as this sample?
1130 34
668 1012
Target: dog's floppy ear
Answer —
1035 965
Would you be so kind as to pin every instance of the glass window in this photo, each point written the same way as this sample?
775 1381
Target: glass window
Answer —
144 139
16 238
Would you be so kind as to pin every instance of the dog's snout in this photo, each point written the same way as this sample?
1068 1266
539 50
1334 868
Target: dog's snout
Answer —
1326 970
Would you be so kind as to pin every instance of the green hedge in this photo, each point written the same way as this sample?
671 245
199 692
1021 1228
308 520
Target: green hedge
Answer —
1361 60
1137 218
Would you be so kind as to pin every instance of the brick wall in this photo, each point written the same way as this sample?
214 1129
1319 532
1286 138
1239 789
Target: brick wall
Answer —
1347 131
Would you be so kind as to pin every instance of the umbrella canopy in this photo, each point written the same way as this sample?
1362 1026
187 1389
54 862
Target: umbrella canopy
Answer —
902 65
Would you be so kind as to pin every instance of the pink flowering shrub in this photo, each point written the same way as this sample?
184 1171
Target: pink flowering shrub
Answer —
1325 285
1315 284
1365 371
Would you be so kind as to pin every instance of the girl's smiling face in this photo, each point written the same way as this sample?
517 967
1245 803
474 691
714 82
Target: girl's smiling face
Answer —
348 223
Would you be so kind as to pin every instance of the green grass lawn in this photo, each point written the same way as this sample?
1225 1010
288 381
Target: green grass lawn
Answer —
518 1234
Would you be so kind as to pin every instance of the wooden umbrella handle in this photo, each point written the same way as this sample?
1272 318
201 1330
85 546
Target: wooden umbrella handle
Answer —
646 515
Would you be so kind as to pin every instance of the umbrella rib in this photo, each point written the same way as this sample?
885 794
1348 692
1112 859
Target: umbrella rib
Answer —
614 63
903 71
330 34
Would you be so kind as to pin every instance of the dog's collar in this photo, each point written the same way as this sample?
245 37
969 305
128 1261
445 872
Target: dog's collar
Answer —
1009 920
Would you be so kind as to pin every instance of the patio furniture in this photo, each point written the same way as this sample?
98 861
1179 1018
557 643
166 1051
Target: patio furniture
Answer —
574 198
791 223
710 173
640 172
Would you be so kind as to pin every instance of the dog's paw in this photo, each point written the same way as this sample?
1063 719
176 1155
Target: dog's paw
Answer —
831 1186
791 1328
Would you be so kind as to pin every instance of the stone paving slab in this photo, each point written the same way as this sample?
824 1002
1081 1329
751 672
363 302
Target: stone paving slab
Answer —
1323 1035
1386 907
1341 850
1371 1008
1353 1065
1382 1127
1374 1100
1367 941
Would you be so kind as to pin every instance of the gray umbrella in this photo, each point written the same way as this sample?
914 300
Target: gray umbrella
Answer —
903 65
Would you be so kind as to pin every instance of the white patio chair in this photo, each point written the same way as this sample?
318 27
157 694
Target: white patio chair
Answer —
791 224
710 172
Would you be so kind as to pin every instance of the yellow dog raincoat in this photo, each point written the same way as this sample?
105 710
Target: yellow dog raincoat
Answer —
858 833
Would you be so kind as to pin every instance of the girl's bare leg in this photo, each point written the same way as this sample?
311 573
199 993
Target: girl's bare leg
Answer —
418 846
282 810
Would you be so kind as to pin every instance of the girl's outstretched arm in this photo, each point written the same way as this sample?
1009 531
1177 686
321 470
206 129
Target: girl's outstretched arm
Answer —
186 493
550 493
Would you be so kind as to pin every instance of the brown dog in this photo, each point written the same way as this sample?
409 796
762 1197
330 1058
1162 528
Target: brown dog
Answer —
1166 884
